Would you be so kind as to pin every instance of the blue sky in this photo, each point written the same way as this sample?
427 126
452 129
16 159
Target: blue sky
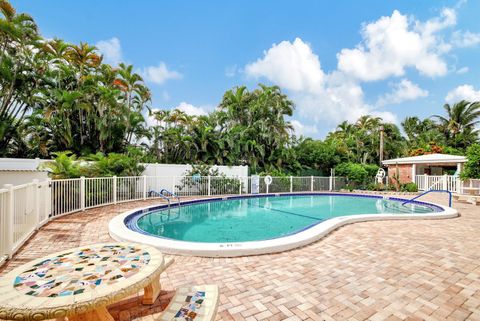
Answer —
336 59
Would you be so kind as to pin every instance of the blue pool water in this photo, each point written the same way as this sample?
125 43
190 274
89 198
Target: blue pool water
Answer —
260 218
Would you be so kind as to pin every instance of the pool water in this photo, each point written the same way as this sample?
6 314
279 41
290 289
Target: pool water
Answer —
262 218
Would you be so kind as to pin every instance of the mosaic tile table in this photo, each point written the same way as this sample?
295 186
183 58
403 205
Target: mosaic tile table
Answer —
81 282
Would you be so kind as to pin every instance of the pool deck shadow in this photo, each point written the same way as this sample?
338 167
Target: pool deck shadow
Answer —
379 270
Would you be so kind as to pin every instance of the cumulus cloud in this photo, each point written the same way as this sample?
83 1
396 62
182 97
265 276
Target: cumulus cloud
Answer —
111 50
390 46
291 65
318 96
463 92
302 129
403 91
191 110
394 43
159 74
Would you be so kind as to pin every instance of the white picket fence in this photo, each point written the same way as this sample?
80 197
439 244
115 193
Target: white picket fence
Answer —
446 182
25 208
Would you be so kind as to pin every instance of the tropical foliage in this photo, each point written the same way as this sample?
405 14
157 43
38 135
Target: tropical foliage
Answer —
248 128
66 165
56 97
472 166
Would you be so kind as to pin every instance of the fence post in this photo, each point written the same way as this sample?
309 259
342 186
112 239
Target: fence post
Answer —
9 220
445 185
240 186
145 187
114 189
82 193
209 185
425 182
36 203
311 183
291 184
330 183
50 195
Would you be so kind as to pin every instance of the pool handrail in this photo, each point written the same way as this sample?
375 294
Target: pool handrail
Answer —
429 191
171 194
160 195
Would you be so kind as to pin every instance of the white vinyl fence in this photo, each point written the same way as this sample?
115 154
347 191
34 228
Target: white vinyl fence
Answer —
447 182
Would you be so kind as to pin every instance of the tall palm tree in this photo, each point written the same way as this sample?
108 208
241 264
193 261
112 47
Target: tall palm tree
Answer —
462 118
18 40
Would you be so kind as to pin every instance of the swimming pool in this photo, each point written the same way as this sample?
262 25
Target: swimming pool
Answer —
258 224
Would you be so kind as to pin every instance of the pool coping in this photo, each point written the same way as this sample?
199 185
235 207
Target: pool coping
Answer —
119 231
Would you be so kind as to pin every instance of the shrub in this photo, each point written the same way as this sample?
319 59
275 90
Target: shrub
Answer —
65 165
358 175
409 187
193 182
376 187
371 169
114 165
354 172
472 166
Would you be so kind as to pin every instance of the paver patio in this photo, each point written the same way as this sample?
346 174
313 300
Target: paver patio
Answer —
391 270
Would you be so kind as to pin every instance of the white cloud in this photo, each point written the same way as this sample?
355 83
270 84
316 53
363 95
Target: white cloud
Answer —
159 74
403 91
302 129
111 50
290 65
465 39
463 92
392 44
318 96
191 110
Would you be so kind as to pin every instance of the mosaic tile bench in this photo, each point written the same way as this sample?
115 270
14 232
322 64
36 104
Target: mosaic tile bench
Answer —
81 282
197 303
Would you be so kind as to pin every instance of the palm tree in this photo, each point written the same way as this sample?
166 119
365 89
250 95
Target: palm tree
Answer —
18 41
461 118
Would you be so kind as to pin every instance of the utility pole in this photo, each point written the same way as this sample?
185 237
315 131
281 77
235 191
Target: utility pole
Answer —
381 144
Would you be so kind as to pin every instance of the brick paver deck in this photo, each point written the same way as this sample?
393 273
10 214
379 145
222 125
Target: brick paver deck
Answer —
392 270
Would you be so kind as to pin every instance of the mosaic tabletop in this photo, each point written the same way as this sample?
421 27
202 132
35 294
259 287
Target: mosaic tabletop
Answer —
81 278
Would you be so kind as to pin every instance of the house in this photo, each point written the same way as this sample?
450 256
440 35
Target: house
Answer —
432 164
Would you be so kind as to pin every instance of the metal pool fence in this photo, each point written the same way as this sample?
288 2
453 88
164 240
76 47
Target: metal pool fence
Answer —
25 208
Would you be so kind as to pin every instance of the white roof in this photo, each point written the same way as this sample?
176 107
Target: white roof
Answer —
430 159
